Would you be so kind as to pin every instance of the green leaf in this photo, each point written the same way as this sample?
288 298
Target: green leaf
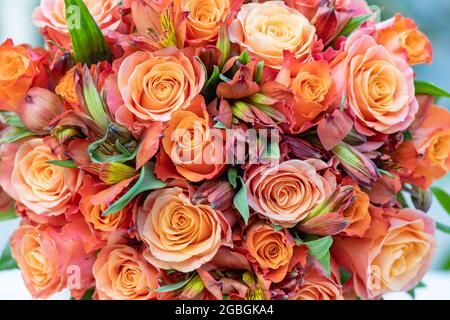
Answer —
89 44
15 134
277 228
412 292
259 72
320 250
63 163
428 88
209 91
147 182
88 295
353 24
345 276
7 262
93 100
407 136
240 201
272 151
442 197
175 286
7 215
443 228
224 44
402 200
13 120
232 177
244 58
220 125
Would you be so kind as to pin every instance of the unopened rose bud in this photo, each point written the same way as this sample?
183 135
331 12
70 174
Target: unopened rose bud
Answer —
39 108
356 165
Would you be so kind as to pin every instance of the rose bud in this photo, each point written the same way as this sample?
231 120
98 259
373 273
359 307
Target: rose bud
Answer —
421 198
356 165
39 108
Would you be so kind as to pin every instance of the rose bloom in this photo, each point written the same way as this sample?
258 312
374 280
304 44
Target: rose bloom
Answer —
122 274
155 85
268 29
358 215
180 235
271 249
44 188
203 20
394 256
316 286
48 257
51 17
20 68
313 89
191 149
379 87
287 192
401 36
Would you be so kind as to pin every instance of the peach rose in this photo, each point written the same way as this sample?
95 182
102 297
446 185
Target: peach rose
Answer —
313 89
271 249
52 259
20 68
51 17
379 87
358 215
286 193
122 274
155 85
394 256
44 188
204 18
270 28
191 149
180 235
316 286
401 36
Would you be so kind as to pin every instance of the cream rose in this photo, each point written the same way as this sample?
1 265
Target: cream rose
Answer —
270 28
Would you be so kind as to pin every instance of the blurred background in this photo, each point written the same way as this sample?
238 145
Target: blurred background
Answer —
432 18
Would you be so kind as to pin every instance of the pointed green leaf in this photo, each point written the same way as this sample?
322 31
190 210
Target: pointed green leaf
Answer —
443 228
232 177
240 201
244 58
147 182
89 44
412 292
7 215
259 72
175 286
320 249
423 87
15 134
443 198
220 125
354 23
7 262
63 163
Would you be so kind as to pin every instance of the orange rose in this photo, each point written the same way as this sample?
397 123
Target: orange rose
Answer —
44 188
379 87
316 286
179 234
402 37
313 90
269 29
20 68
358 215
203 20
271 249
51 17
286 193
52 259
191 149
155 85
394 255
122 274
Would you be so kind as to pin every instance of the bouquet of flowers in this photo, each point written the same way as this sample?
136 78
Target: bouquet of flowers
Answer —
220 149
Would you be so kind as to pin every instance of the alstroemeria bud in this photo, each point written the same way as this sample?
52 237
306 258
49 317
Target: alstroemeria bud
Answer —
224 44
243 112
327 218
301 149
259 98
354 138
192 289
272 113
219 194
39 108
65 135
112 172
356 165
421 199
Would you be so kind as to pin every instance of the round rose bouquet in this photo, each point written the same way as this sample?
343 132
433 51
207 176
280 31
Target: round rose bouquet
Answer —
220 149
